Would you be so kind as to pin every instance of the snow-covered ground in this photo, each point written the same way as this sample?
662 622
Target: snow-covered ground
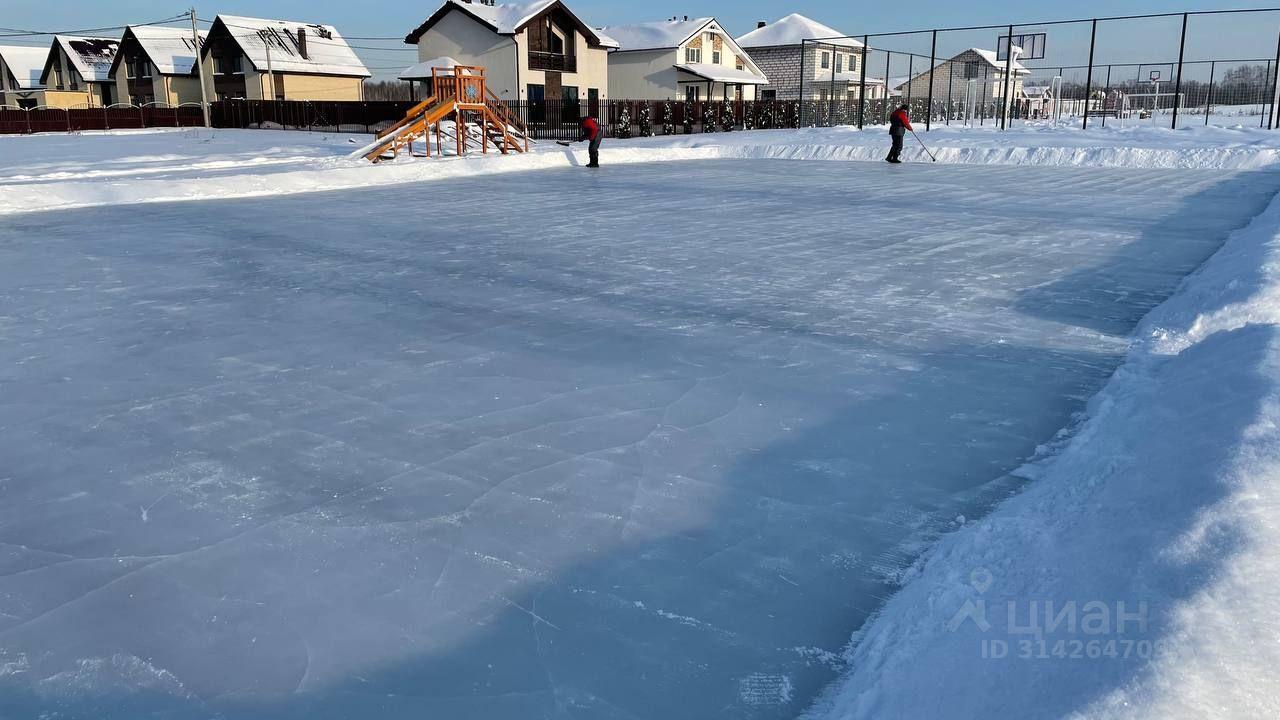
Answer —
61 171
501 438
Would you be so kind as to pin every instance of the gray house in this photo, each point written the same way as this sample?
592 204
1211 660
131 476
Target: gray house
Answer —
832 68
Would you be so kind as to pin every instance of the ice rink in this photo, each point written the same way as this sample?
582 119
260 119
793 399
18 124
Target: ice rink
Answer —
644 443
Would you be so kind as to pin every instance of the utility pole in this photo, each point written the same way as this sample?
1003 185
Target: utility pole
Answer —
204 90
271 77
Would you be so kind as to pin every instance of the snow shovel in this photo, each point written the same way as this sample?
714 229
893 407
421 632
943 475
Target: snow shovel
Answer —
926 149
565 143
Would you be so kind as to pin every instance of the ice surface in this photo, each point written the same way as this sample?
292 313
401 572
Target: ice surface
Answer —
538 444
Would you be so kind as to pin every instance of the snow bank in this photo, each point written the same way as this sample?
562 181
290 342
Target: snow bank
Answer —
63 171
1138 574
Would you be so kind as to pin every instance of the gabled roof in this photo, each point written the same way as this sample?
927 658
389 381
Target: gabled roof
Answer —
326 52
171 49
506 19
794 29
990 57
91 57
657 35
721 73
25 63
422 71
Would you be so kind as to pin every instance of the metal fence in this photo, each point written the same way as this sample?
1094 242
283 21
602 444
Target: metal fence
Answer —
1171 70
546 120
48 119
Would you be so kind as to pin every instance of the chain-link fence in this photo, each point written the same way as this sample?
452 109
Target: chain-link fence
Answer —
1170 70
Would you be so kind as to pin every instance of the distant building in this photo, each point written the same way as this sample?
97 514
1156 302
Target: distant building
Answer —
531 51
681 59
20 67
831 69
156 65
952 77
259 59
77 72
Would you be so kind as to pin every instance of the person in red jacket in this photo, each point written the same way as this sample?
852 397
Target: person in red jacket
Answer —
589 129
899 124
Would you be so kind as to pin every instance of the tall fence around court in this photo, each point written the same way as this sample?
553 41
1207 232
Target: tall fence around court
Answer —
1170 70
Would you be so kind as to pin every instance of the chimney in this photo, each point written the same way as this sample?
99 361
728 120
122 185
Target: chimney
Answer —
686 18
302 43
761 24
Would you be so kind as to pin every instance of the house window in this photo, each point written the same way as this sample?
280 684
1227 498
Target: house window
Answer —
839 63
228 65
537 93
691 93
715 57
970 70
822 94
769 95
693 55
853 63
738 63
138 67
555 39
826 60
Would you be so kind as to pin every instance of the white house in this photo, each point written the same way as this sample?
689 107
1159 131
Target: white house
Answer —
831 69
258 59
531 51
681 59
157 65
980 67
20 68
77 72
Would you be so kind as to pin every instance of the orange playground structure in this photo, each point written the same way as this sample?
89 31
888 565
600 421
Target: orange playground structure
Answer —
461 111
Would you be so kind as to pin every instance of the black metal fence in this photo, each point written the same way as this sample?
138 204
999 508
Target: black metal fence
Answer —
1171 69
46 119
546 120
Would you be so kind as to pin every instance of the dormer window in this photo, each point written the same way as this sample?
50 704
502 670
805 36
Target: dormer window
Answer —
555 39
715 57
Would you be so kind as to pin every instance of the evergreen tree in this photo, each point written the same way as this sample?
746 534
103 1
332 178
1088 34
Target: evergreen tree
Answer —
688 118
708 118
623 129
668 119
726 117
646 121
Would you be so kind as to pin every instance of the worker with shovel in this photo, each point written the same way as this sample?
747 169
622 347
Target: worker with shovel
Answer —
899 124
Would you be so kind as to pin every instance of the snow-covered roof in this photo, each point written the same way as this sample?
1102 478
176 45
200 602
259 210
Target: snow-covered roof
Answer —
503 18
26 63
990 57
422 70
171 50
720 73
847 76
656 35
793 30
326 53
91 56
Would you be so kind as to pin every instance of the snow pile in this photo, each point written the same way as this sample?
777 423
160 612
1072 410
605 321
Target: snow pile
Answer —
1137 576
199 164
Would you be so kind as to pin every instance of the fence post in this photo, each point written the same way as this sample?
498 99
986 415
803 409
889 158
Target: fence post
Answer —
911 68
1088 82
804 52
1177 85
1208 98
933 52
831 104
1271 124
862 80
951 81
1106 93
888 58
1006 102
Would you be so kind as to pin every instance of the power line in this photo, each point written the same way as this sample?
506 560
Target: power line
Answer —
16 32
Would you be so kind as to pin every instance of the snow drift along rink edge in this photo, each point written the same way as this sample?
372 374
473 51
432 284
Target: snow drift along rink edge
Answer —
1206 148
1163 510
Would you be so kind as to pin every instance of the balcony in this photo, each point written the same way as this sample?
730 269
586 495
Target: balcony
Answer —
552 61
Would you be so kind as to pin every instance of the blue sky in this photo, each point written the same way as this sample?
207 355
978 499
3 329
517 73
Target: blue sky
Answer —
394 19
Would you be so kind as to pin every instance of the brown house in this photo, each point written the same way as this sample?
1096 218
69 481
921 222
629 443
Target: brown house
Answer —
259 59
